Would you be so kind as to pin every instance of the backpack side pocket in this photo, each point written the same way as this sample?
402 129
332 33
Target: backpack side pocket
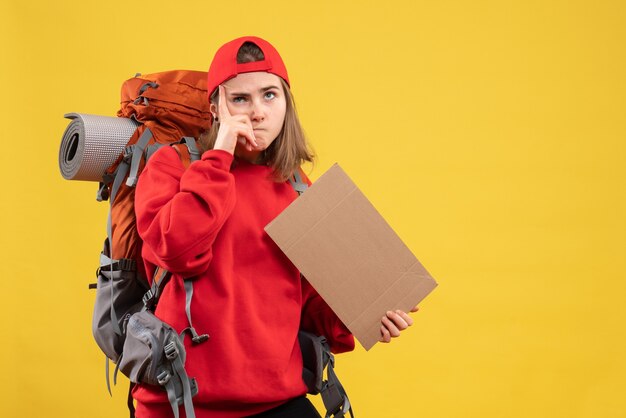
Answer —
154 354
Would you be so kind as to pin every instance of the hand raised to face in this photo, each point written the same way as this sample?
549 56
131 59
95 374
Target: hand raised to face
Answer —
233 128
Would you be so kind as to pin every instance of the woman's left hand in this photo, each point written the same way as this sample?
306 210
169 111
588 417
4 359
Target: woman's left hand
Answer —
393 323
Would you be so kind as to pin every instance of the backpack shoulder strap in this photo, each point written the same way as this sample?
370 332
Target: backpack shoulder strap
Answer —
297 182
333 394
187 150
159 279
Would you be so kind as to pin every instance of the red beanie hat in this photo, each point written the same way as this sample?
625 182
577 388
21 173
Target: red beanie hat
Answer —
224 65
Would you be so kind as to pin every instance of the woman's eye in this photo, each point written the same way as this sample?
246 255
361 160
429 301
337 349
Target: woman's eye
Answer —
270 95
239 99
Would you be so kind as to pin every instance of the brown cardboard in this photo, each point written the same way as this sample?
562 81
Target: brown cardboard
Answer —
350 255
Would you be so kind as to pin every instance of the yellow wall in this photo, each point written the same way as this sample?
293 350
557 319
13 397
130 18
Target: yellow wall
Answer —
490 134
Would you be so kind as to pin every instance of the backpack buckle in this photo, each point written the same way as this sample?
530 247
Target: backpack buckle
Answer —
148 299
164 377
171 352
197 339
126 264
103 192
128 152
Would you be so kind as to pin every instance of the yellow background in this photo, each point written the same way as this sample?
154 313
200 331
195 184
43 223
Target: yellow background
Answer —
490 134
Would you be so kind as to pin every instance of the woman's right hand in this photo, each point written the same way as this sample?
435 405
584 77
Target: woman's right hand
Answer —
233 128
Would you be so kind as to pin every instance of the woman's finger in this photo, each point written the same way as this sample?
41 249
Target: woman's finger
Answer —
243 129
221 103
391 327
248 134
243 119
405 317
244 134
385 337
397 320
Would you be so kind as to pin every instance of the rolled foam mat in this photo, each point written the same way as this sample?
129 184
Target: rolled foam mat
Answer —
91 143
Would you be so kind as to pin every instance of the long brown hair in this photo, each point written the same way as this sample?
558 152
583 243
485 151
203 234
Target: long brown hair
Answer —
290 149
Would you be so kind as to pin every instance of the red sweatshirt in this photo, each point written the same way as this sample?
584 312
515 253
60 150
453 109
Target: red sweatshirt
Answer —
206 223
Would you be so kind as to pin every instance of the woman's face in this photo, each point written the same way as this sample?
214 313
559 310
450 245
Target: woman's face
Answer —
260 96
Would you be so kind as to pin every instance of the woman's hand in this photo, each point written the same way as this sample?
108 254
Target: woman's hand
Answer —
233 128
393 323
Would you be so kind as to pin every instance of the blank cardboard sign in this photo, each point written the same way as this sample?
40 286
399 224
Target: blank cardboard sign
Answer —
350 255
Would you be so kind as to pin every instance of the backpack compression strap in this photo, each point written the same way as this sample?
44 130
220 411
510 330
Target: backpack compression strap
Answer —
167 380
138 150
197 339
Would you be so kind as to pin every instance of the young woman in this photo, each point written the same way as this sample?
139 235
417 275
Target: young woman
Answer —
206 222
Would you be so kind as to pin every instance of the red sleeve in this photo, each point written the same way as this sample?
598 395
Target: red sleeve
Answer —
318 318
179 212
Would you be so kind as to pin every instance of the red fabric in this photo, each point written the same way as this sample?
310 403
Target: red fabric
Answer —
207 223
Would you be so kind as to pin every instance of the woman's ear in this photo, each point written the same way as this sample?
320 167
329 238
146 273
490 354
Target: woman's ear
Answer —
213 109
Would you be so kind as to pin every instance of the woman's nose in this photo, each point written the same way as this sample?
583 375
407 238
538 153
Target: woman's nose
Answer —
257 112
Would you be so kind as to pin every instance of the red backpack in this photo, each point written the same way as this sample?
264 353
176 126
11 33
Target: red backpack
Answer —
169 106
171 109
